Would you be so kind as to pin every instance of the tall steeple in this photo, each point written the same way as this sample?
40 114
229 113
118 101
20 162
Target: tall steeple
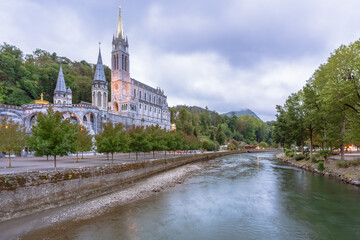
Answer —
120 29
99 86
62 96
60 85
99 72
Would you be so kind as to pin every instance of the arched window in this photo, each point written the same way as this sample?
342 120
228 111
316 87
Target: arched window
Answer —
116 106
105 100
134 92
99 99
140 95
93 98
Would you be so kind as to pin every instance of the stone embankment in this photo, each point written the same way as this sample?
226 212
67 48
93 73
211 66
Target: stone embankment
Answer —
349 175
26 193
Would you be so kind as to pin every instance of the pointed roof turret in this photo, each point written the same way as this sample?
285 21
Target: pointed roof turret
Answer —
120 29
99 72
60 85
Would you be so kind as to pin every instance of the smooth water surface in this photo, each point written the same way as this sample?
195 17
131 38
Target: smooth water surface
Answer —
244 196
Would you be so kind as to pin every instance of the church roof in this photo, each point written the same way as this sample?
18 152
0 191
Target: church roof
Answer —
60 85
99 72
120 29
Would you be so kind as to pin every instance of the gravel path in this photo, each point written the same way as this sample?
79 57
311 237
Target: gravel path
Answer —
97 206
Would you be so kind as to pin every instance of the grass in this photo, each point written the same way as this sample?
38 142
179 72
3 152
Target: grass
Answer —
347 163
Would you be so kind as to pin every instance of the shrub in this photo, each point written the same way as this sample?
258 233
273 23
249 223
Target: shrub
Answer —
306 151
324 153
342 163
313 158
231 147
299 157
320 166
289 152
263 145
347 163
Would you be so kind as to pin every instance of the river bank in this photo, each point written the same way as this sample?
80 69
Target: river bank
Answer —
36 200
27 193
349 175
72 214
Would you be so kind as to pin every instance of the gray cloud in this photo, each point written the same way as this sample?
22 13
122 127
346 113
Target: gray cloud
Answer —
227 56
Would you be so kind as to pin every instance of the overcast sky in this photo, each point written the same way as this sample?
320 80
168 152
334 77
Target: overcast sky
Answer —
227 55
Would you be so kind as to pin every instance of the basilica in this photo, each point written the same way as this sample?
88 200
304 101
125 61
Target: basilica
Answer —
132 102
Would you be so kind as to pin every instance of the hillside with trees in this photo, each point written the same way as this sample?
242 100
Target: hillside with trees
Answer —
325 112
214 128
23 77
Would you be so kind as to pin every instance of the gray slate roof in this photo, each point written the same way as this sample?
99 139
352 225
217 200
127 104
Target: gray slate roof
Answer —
60 85
99 72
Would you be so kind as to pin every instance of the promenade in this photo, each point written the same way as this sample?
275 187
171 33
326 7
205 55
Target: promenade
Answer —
36 164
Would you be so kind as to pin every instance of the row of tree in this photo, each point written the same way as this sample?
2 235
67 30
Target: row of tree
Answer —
325 112
54 136
24 77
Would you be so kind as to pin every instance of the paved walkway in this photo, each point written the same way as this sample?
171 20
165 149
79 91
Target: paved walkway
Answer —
35 164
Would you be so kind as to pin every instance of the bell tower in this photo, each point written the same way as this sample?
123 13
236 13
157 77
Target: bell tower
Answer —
120 67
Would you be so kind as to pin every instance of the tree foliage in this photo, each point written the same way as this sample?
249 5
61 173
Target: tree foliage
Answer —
326 111
112 139
12 137
24 78
52 135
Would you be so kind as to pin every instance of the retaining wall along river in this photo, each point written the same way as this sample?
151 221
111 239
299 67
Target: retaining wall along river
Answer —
27 193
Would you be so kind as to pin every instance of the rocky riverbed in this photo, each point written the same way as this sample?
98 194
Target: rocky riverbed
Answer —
349 175
72 213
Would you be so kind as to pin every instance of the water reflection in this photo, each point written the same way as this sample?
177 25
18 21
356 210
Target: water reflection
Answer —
237 198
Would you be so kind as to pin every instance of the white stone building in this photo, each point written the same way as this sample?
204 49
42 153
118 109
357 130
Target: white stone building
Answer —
132 102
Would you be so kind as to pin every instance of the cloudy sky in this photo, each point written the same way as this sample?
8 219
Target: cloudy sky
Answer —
227 55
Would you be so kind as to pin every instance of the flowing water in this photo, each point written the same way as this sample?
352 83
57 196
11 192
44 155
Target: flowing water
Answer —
244 196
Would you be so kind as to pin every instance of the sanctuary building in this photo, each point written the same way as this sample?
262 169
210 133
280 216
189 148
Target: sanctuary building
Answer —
132 102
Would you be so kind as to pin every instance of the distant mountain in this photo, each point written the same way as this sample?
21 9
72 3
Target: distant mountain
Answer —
194 109
242 112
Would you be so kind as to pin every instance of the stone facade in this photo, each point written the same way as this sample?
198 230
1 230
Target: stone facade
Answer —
132 102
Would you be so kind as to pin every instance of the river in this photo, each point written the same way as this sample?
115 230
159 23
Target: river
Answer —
242 196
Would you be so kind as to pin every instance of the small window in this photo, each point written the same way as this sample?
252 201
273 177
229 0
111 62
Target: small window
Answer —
140 106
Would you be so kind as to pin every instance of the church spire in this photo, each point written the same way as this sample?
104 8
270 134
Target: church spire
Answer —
120 29
60 85
99 72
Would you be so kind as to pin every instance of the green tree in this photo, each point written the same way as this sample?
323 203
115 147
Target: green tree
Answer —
221 137
52 135
83 142
112 139
12 137
139 140
157 138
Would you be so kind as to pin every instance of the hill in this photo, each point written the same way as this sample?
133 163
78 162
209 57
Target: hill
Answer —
241 112
23 77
